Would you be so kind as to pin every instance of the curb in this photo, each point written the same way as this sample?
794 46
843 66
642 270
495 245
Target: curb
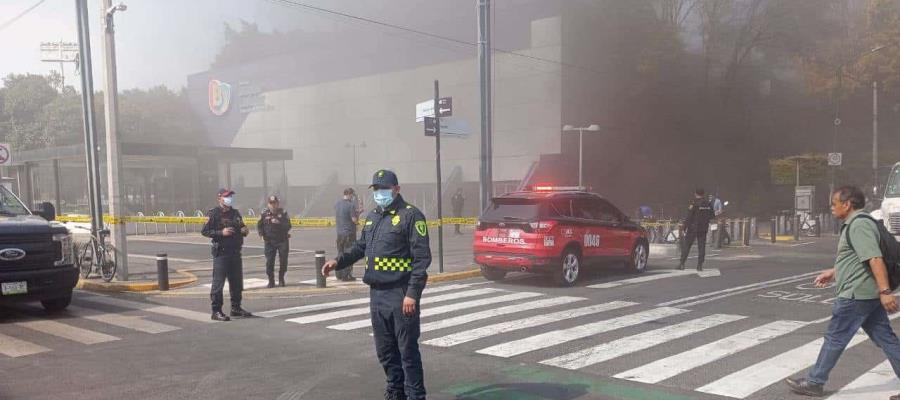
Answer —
140 286
295 291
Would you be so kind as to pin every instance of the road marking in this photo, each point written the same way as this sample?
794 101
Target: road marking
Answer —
428 312
338 304
642 279
631 344
494 312
801 244
175 259
530 322
365 310
711 296
66 331
14 347
553 338
164 310
878 383
763 374
123 321
249 283
666 368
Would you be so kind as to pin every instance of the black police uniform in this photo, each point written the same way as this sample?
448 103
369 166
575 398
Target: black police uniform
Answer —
276 238
696 226
394 241
226 252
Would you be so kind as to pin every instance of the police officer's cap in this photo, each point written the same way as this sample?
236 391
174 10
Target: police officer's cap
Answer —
384 179
274 199
223 192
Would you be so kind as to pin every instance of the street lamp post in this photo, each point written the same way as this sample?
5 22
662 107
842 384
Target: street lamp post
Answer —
354 146
580 130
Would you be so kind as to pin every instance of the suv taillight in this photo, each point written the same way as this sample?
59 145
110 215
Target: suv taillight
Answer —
479 226
542 226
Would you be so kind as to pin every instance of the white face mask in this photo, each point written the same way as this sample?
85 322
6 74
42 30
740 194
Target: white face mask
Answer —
228 201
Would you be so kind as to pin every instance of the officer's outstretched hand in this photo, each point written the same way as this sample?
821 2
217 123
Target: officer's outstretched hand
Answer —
328 267
409 306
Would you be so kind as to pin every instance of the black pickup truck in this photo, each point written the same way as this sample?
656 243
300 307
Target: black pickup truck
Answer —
36 255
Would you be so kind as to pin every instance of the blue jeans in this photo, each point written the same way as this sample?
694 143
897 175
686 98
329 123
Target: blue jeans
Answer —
847 316
397 342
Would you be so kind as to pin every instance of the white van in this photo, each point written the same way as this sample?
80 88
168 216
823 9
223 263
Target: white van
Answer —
890 206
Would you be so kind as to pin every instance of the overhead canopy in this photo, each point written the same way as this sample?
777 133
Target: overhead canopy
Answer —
137 154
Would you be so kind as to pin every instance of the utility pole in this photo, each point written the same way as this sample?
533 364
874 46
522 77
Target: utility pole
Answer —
437 150
484 68
113 161
875 138
87 108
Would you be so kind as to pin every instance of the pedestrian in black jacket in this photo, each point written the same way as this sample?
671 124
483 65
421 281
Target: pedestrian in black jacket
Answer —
695 227
273 226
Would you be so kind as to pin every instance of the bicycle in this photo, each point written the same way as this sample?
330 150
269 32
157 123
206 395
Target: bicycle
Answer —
98 256
807 225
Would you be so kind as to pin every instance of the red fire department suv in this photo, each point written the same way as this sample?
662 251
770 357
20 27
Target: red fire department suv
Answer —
555 231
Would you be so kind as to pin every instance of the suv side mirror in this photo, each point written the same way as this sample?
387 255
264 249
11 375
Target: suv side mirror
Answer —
46 211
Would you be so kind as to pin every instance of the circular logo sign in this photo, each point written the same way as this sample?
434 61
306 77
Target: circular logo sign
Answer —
4 154
219 97
834 159
12 254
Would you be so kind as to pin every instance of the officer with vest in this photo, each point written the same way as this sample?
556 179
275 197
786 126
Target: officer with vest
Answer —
695 227
274 225
226 228
394 241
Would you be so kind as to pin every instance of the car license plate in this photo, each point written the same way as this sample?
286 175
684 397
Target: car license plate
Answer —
8 288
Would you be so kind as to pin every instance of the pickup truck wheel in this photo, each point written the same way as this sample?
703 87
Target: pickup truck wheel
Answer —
492 274
57 304
569 268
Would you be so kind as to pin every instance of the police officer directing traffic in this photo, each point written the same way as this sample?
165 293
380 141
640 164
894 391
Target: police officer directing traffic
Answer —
696 225
226 228
274 225
394 241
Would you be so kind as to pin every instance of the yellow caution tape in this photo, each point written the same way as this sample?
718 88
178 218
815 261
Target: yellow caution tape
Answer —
250 221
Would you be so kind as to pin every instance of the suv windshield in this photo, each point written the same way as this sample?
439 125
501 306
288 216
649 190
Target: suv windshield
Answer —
893 184
513 210
10 205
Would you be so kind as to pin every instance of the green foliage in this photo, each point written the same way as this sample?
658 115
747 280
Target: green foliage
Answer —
813 169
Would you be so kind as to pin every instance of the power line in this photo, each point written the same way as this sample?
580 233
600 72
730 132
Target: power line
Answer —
22 14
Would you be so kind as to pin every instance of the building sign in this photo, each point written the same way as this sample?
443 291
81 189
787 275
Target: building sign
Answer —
252 98
219 97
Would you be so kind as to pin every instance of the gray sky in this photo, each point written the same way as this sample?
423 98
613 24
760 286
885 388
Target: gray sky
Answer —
158 41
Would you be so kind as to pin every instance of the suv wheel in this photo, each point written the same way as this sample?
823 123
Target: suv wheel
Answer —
492 274
638 260
569 268
57 304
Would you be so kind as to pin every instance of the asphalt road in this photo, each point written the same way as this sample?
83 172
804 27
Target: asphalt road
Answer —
660 335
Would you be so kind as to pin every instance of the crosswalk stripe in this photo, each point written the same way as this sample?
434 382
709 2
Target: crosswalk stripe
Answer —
763 374
133 322
428 312
338 304
164 310
365 310
617 348
14 347
67 331
530 322
878 383
548 339
666 368
642 279
495 312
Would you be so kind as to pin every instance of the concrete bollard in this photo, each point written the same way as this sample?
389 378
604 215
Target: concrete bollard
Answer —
818 226
320 262
747 230
797 228
740 225
774 229
162 271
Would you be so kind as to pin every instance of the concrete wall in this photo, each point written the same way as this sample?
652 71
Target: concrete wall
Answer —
318 121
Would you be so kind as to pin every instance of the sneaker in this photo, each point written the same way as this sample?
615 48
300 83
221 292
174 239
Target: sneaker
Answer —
239 312
220 316
805 387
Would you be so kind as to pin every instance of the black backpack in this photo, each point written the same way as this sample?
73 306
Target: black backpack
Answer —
890 250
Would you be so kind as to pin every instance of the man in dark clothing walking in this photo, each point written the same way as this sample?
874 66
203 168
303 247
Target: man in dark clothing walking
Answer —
274 225
395 243
458 202
226 228
346 220
695 227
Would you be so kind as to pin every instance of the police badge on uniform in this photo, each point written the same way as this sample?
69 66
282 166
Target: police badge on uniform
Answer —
421 228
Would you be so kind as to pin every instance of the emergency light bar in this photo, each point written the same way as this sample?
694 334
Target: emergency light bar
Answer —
548 188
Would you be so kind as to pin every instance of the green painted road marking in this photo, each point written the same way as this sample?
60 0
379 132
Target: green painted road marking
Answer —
537 383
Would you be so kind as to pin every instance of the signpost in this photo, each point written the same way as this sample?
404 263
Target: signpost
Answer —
450 127
442 105
835 159
426 108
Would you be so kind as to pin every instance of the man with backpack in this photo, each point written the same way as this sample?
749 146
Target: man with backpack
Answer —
865 275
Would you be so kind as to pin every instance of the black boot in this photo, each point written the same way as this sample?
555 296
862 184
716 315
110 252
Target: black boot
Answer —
271 283
681 267
699 267
281 279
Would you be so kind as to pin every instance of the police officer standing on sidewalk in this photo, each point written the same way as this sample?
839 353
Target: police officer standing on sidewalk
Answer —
696 225
274 225
394 241
226 228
